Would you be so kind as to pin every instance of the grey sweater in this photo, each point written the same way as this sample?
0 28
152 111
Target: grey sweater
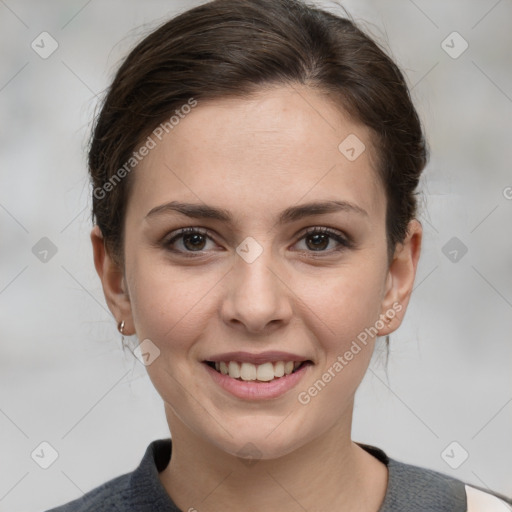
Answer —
410 488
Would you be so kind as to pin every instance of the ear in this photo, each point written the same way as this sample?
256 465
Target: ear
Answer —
400 279
113 282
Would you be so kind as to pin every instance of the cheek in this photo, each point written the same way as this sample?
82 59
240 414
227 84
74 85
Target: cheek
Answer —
168 306
348 302
346 311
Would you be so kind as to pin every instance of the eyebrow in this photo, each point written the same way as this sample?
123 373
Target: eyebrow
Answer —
291 214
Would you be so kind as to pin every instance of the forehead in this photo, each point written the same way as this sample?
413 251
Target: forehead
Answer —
280 146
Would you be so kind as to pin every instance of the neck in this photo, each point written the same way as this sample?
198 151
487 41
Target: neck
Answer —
328 473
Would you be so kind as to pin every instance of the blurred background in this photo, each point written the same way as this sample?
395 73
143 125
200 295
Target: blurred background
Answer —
446 400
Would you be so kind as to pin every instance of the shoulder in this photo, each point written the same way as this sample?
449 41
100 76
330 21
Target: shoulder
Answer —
413 487
112 496
426 489
139 490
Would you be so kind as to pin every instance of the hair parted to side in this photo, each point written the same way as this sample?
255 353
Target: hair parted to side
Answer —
232 48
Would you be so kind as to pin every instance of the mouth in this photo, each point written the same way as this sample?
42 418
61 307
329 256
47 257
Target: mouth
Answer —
265 372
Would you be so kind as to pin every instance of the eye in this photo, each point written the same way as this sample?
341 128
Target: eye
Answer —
318 239
192 240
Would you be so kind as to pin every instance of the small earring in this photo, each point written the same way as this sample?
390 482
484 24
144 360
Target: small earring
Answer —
120 328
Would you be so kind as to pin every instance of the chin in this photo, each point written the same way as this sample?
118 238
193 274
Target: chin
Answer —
261 440
251 449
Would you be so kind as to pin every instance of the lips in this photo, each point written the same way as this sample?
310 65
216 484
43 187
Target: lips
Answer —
256 389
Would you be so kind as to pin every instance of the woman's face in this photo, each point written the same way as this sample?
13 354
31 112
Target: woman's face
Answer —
253 286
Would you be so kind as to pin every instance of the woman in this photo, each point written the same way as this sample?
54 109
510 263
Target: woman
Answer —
254 169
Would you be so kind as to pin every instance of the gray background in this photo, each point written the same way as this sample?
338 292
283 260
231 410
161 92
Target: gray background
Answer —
64 378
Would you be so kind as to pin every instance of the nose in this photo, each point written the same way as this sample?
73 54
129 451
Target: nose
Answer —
258 299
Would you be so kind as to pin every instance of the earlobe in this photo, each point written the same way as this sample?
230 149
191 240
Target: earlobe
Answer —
400 278
112 281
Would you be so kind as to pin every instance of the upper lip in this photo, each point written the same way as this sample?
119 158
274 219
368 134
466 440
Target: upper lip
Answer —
260 358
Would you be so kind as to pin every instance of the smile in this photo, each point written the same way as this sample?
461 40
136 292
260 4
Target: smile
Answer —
265 372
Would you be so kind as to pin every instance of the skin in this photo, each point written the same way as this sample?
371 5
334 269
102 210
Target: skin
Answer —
255 157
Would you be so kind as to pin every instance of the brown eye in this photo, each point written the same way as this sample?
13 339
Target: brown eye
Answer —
187 241
319 239
194 241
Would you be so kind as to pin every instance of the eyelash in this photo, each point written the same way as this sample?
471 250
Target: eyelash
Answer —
344 242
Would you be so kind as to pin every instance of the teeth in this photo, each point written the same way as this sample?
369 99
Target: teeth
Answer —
247 371
263 372
234 369
224 368
279 369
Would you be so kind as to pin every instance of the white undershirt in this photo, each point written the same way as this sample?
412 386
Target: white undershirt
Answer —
480 501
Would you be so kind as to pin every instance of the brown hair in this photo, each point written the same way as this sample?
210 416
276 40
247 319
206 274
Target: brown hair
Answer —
233 48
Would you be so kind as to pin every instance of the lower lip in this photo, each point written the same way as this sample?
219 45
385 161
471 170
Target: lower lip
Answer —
256 390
